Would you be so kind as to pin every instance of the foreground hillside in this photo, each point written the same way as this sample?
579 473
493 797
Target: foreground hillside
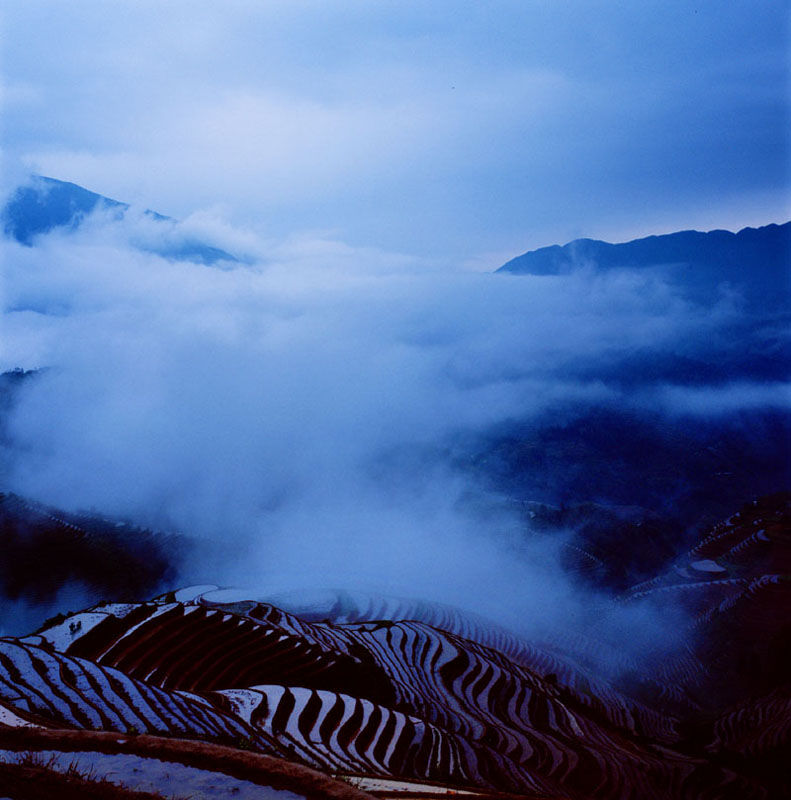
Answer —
392 695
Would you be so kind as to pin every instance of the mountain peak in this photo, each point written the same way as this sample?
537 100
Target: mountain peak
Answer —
46 204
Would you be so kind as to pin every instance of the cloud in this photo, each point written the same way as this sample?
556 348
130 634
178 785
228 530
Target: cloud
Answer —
734 397
306 408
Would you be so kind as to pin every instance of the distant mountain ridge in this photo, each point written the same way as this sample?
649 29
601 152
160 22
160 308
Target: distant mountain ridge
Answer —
757 260
45 204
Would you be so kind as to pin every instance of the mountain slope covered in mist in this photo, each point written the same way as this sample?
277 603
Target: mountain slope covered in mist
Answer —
754 260
617 403
45 204
614 471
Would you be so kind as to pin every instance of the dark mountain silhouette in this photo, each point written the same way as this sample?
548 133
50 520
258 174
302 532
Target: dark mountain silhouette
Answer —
633 487
46 549
757 261
46 204
633 484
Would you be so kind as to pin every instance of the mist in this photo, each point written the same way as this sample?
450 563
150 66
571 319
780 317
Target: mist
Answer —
307 411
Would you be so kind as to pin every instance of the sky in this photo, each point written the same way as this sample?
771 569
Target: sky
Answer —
463 132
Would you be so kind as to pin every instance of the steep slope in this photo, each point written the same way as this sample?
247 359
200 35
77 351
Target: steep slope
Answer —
736 584
467 706
458 713
46 550
634 488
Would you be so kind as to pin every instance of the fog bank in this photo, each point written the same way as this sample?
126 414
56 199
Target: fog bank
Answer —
308 408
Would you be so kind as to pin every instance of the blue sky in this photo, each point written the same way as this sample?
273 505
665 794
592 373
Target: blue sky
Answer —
465 131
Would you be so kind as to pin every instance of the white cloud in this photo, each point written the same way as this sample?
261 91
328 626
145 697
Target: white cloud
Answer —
300 408
269 396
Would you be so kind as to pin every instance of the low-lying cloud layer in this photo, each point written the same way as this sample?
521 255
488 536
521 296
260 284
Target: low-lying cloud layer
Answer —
301 408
